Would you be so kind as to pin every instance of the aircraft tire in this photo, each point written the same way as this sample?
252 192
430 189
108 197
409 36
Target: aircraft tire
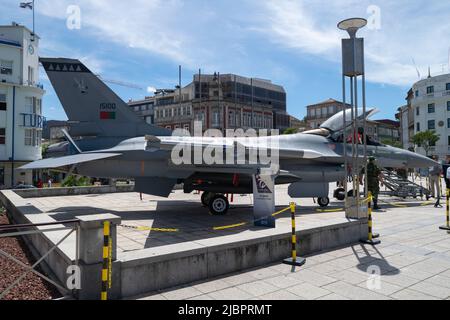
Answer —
205 198
339 194
323 201
218 205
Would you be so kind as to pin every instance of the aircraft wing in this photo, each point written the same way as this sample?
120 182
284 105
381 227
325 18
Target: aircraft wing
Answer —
67 160
154 144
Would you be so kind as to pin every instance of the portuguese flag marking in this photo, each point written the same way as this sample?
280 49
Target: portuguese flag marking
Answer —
105 115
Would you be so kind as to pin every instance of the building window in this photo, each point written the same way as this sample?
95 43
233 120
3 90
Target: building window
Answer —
431 108
6 67
418 111
448 123
447 87
417 93
418 126
431 125
28 137
448 105
2 135
2 176
2 102
30 76
38 138
430 89
216 118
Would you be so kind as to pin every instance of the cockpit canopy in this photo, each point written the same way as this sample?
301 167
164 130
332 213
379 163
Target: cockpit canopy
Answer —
333 127
336 122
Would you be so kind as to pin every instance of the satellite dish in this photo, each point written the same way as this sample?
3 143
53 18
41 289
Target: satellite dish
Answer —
352 25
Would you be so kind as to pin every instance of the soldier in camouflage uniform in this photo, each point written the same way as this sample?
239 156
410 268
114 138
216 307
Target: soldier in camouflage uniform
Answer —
374 177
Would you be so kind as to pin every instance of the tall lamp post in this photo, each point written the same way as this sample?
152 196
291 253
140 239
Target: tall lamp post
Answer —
352 70
29 5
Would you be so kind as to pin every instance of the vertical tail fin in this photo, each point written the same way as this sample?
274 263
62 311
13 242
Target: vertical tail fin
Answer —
92 107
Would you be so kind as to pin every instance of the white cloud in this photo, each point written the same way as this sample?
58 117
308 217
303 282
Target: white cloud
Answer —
216 35
151 89
408 30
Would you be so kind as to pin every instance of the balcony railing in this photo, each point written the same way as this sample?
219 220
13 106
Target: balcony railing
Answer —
436 94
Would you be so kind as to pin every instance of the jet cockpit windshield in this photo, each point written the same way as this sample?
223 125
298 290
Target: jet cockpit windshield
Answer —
336 122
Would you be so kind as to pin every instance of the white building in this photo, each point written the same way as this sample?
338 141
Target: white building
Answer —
21 94
430 104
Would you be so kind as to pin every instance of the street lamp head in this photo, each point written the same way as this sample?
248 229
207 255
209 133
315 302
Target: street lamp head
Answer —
352 25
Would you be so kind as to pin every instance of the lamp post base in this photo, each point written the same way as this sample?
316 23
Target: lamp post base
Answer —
298 261
371 242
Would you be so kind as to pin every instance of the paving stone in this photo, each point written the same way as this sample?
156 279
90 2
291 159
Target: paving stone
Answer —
283 281
181 293
258 288
308 291
353 292
210 286
333 296
399 279
351 277
408 294
280 295
312 277
385 287
232 293
431 289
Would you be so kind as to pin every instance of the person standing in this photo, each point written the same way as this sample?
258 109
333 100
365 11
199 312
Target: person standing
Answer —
435 173
49 182
374 177
446 171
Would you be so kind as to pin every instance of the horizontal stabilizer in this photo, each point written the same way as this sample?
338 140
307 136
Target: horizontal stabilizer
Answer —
67 160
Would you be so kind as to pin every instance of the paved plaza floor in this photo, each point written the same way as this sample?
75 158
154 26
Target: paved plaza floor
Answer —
412 262
155 221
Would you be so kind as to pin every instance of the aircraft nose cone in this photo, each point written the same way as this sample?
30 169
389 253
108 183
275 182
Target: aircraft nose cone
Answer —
418 161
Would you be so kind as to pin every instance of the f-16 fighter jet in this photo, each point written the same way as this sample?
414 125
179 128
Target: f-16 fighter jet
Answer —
116 143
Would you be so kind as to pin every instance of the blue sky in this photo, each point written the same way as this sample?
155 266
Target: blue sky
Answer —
294 43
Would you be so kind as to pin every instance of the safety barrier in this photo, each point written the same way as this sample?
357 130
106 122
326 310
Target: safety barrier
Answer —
294 260
216 228
371 239
107 261
447 212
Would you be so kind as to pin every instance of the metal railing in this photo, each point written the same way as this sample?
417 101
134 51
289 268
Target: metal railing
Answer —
21 230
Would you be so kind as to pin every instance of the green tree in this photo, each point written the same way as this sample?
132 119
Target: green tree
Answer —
290 131
75 181
426 139
392 143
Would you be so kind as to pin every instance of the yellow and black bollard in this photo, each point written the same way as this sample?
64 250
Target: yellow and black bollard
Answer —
294 260
370 239
107 263
447 211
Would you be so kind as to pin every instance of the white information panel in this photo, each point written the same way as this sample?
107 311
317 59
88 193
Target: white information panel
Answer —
264 199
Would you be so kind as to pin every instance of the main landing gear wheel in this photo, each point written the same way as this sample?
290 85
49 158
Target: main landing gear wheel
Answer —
323 201
218 205
339 194
205 198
